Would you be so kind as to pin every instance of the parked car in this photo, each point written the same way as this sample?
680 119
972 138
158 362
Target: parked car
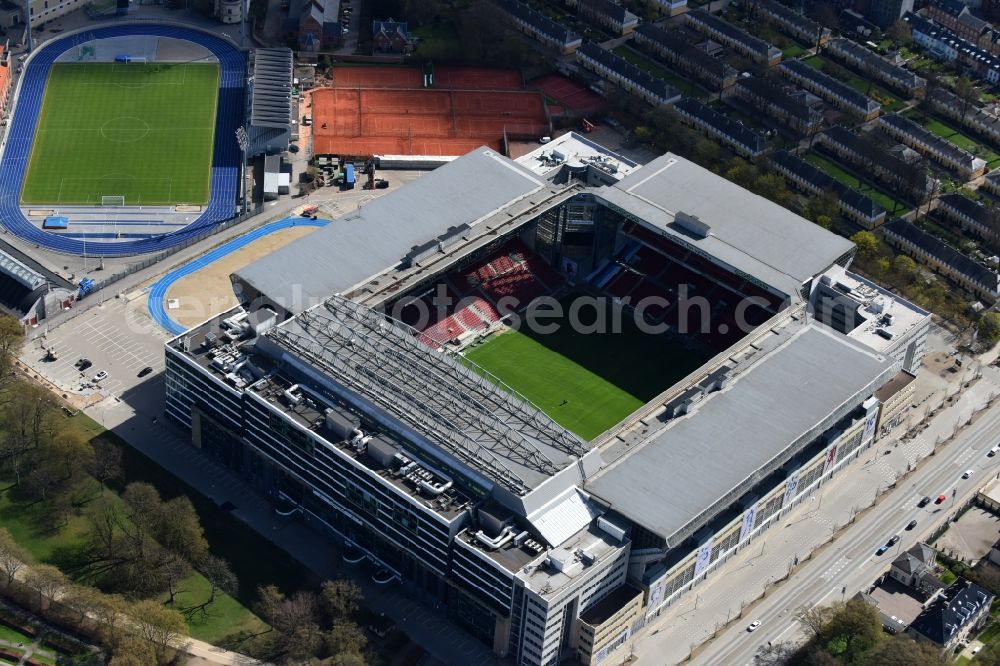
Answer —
100 377
924 502
910 525
83 364
893 541
967 473
753 626
992 452
145 371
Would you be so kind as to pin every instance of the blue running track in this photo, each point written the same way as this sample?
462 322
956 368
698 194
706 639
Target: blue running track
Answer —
225 159
158 293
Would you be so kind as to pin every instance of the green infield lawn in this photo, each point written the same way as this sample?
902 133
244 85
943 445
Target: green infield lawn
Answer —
141 131
587 382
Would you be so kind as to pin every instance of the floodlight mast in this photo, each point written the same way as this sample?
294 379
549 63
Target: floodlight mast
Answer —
27 25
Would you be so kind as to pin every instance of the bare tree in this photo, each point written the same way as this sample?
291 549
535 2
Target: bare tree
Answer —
12 556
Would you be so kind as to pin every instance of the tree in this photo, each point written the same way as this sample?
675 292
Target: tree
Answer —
966 92
180 531
11 338
340 598
46 580
133 652
854 625
905 267
219 575
109 614
900 33
82 600
867 242
158 626
902 650
824 222
172 570
345 638
989 327
107 462
12 556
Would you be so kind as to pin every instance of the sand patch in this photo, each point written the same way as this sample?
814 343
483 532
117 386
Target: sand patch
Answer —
208 291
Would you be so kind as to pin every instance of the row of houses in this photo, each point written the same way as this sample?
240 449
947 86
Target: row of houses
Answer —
810 178
956 17
540 27
790 106
900 169
625 75
685 55
606 14
933 146
976 278
991 183
970 116
729 35
974 216
872 64
835 92
724 129
945 45
790 21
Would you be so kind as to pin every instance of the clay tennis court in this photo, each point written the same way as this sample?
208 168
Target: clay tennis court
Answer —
570 94
386 110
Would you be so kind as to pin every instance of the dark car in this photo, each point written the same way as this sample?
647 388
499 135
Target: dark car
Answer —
910 525
292 148
381 183
83 364
881 550
893 541
924 502
145 371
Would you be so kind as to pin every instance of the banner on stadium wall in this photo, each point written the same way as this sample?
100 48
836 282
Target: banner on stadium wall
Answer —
749 517
704 557
831 457
869 428
655 594
791 488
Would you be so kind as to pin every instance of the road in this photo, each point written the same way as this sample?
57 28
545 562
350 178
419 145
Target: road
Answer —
826 576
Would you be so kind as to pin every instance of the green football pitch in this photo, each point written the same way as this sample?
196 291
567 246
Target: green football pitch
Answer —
587 382
139 131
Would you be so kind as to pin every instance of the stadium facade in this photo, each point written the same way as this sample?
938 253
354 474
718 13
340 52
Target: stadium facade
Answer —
542 545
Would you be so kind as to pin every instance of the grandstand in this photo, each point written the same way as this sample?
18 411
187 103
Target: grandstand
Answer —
389 387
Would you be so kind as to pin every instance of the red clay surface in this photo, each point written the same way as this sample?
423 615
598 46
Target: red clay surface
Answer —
385 110
570 94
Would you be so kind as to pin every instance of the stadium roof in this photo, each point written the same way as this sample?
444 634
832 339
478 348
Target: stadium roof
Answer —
747 231
684 474
271 96
455 412
353 248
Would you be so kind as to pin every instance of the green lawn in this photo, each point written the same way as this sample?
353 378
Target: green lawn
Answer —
13 635
142 131
642 62
892 206
586 382
792 51
956 137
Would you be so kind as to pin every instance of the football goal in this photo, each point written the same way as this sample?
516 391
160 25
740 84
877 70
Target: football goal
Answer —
110 201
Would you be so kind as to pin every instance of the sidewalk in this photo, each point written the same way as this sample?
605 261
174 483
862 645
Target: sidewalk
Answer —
740 581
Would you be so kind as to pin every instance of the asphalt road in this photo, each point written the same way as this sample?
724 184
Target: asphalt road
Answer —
851 559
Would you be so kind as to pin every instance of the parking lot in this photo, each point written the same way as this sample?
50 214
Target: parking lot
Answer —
969 538
117 337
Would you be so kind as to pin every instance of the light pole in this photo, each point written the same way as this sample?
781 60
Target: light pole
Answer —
244 142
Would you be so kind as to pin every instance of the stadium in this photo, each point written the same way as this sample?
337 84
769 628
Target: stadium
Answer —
381 381
122 140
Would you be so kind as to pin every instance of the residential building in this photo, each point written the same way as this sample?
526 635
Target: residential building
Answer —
953 615
979 280
853 23
945 45
42 11
896 398
608 624
933 146
982 220
956 17
967 115
540 27
724 129
672 7
814 180
791 22
914 568
390 36
318 25
625 75
902 171
790 106
228 11
739 40
688 57
837 93
872 64
884 13
991 183
608 14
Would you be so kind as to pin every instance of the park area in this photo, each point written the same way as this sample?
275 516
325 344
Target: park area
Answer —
137 131
586 382
391 111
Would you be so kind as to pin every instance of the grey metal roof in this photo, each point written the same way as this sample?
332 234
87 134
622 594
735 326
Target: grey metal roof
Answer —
682 475
357 246
271 93
747 231
454 411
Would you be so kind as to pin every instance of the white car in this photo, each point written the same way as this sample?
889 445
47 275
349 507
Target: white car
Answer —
753 626
100 377
968 473
992 452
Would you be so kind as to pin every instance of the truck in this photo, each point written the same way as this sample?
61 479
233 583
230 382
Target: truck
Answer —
349 177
